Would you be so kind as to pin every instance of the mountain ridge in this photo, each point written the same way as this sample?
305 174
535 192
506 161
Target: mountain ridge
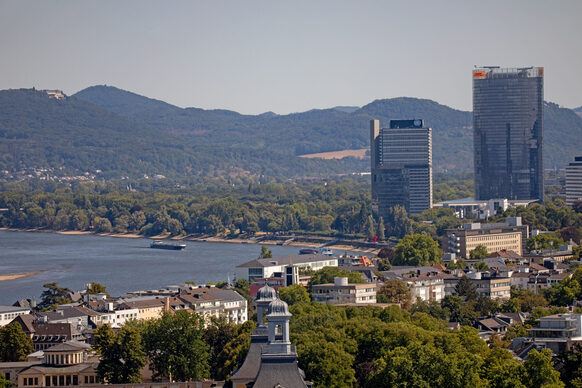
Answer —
115 130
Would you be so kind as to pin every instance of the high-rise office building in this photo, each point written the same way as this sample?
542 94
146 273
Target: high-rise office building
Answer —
574 181
401 166
508 132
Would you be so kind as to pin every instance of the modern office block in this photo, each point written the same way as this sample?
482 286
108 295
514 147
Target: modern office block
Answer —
574 181
401 166
508 132
510 235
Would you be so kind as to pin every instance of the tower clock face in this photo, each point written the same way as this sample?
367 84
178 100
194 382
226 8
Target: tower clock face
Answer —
417 123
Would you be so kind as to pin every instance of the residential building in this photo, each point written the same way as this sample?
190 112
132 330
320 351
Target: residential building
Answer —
342 292
8 313
558 332
47 334
508 132
147 308
497 324
563 253
401 166
78 316
210 301
428 286
509 235
520 280
279 266
540 281
574 181
490 285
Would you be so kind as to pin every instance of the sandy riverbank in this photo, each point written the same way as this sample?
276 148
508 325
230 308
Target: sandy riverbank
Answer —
18 275
198 239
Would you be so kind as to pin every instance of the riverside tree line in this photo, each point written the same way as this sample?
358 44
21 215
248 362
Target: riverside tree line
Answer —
340 208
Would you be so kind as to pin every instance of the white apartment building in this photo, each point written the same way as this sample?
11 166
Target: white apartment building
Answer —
277 267
342 292
8 313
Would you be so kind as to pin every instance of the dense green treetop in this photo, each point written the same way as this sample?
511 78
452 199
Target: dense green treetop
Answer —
479 253
122 354
15 345
417 250
54 295
295 293
175 347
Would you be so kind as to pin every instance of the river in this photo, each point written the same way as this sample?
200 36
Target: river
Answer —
121 264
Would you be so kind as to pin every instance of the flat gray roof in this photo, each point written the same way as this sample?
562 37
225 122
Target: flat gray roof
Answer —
286 260
12 309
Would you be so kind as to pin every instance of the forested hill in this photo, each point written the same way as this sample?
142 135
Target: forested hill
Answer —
578 111
122 133
75 136
333 129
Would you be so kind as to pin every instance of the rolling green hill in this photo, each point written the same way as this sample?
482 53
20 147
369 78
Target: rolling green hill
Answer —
333 129
122 133
75 136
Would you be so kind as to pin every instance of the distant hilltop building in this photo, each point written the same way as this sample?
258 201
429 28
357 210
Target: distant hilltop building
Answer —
508 132
401 166
574 181
56 94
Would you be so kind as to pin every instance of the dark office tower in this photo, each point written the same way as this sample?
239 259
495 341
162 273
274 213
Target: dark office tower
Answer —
508 132
401 166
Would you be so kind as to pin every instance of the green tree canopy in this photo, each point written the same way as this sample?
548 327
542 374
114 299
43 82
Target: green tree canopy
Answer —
479 253
122 354
417 250
295 293
3 382
395 291
481 266
544 241
539 370
466 289
96 288
15 345
54 295
265 253
175 347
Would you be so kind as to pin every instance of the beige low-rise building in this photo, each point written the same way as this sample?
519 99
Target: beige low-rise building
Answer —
147 309
341 292
509 236
67 364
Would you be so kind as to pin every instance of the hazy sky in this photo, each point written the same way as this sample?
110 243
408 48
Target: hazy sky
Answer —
288 56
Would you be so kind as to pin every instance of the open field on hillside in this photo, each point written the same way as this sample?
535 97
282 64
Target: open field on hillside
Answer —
360 154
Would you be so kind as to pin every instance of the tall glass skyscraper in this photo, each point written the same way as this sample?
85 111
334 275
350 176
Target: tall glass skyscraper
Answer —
508 132
401 166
